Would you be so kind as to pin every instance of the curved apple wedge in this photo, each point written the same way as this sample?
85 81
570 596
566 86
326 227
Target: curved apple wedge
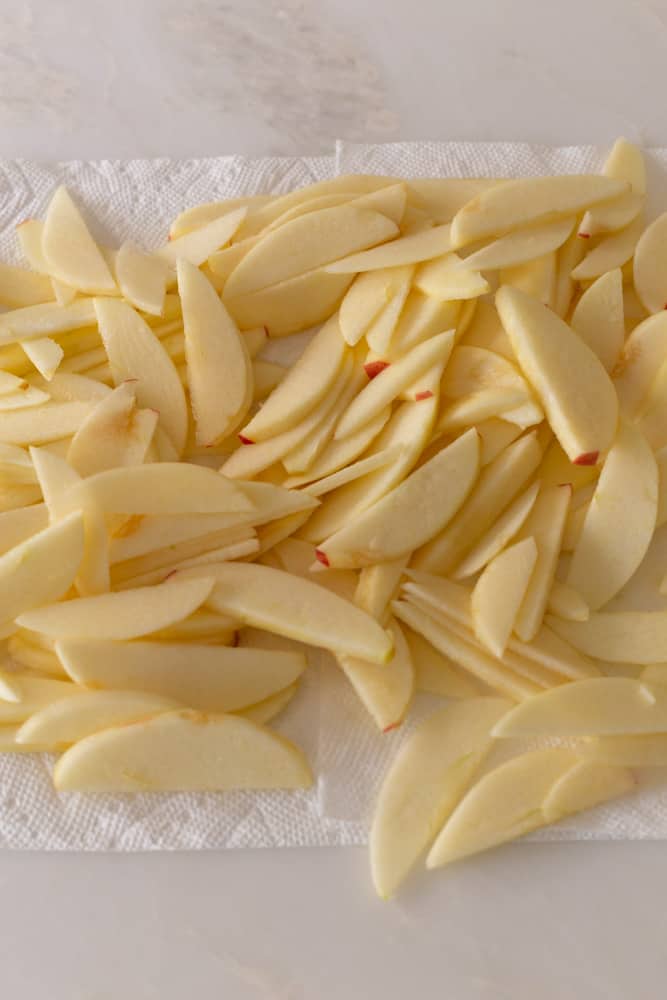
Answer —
41 424
435 673
546 524
520 246
197 245
567 603
601 706
497 595
218 363
113 434
425 782
598 317
266 710
45 354
278 602
410 514
649 265
71 719
35 693
499 534
166 488
290 306
619 637
182 751
584 786
628 751
620 521
575 390
611 252
70 252
125 615
504 804
640 360
364 301
385 690
142 278
513 204
207 678
412 249
446 278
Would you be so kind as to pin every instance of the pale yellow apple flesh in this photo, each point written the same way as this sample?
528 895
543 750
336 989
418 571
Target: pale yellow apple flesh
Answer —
435 673
448 277
566 602
197 245
598 318
35 693
19 287
70 253
586 785
411 249
166 488
520 246
378 585
142 278
45 354
545 524
499 534
499 592
113 434
612 252
619 637
385 690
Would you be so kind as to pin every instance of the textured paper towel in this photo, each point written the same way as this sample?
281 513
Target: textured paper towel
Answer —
137 199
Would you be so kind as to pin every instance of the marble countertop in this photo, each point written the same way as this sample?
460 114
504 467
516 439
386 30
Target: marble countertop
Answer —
139 78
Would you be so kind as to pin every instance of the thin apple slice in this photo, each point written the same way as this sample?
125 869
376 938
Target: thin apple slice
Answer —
380 332
142 535
536 278
446 278
620 520
33 657
298 558
612 216
71 254
135 352
266 376
18 525
640 359
531 200
627 751
166 488
504 804
498 484
364 301
218 363
651 416
67 387
35 693
298 609
378 585
569 379
424 784
602 706
619 637
45 320
306 385
290 306
338 456
566 259
68 720
411 249
347 474
465 654
208 678
270 502
520 246
611 252
308 242
626 163
586 785
42 568
200 215
197 245
649 263
435 673
126 615
486 331
22 400
421 318
556 469
566 602
545 523
113 434
142 278
8 742
499 534
485 404
499 592
19 287
598 318
386 690
473 369
410 514
10 384
386 386
45 354
182 751
266 710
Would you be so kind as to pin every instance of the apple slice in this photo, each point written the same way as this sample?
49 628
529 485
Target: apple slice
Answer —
611 252
640 359
197 245
587 784
651 417
218 363
308 242
386 386
136 353
266 376
45 354
620 520
266 710
18 525
411 513
305 385
570 381
207 678
23 399
142 278
19 287
566 602
270 502
421 318
485 404
290 306
520 246
9 384
113 434
411 249
556 469
68 720
466 655
426 779
473 369
298 558
649 262
41 568
536 278
499 592
71 254
182 751
380 332
68 387
378 585
435 673
628 751
166 488
200 215
347 474
598 318
499 534
566 259
601 706
486 331
619 637
504 804
364 301
386 690
35 693
626 163
45 320
126 615
142 535
496 487
291 606
34 657
339 456
446 278
531 200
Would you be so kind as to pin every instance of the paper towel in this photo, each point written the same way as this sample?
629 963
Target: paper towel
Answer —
136 200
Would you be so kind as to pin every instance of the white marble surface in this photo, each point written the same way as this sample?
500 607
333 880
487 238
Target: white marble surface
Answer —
170 77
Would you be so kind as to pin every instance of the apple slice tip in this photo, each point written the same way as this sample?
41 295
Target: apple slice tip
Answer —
373 368
588 458
245 440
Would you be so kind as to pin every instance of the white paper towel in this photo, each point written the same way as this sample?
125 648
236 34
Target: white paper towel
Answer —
137 199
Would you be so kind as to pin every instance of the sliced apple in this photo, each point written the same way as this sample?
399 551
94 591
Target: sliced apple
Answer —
545 524
142 278
298 558
499 534
45 354
640 359
32 657
197 245
270 502
195 551
586 785
425 782
598 318
290 306
626 163
182 751
136 353
652 414
566 259
421 318
380 332
338 456
145 534
531 200
35 693
446 278
23 399
113 434
661 460
435 673
498 484
378 585
570 381
556 469
410 514
566 602
365 299
620 520
486 404
520 246
411 249
44 320
611 252
266 710
347 474
473 369
504 804
628 751
125 615
602 706
18 525
499 592
9 384
385 690
619 637
70 252
19 287
166 488
199 215
536 278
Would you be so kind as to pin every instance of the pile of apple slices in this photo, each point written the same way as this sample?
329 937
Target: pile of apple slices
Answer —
462 464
